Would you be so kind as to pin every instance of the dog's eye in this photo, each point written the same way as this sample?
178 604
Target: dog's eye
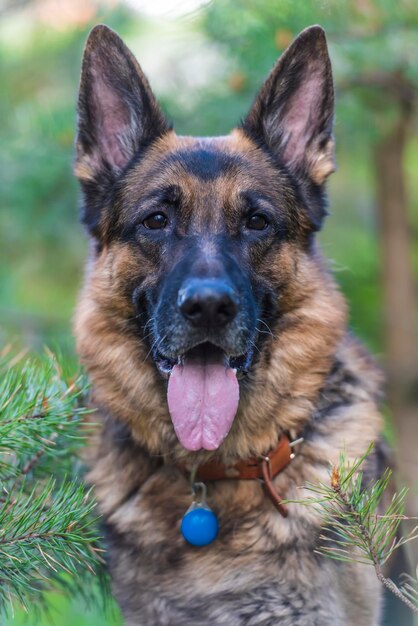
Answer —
155 221
257 222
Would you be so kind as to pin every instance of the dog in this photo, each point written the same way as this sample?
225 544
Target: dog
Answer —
216 342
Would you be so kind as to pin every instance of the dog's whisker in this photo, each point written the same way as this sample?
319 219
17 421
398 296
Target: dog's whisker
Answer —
266 325
161 340
155 344
151 319
254 346
263 332
137 316
147 335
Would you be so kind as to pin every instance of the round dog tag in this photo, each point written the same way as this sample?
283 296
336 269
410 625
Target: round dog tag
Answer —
199 525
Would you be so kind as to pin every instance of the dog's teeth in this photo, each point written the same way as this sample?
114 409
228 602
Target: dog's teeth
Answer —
234 369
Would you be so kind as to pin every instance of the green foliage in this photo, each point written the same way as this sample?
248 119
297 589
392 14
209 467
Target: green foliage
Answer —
42 244
370 42
359 526
39 412
48 535
351 506
45 533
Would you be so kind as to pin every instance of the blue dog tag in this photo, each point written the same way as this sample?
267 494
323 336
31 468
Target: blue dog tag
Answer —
199 525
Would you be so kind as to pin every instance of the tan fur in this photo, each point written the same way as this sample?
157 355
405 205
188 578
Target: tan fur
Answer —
285 385
309 376
313 325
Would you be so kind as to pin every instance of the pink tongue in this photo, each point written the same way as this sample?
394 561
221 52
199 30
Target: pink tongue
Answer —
202 400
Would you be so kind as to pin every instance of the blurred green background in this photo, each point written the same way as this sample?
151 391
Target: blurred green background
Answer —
205 61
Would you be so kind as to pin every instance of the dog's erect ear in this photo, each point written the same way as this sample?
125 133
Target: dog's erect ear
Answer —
293 111
117 111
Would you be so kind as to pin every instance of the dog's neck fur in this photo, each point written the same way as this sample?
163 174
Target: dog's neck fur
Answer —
306 338
351 389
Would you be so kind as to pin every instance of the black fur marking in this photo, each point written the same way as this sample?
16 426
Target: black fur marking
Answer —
203 163
341 389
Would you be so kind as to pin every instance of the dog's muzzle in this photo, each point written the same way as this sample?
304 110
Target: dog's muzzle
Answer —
204 329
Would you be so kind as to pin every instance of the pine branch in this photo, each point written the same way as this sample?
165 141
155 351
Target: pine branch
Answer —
359 533
39 411
369 542
48 535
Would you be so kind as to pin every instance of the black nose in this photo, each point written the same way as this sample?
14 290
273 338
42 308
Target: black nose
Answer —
207 302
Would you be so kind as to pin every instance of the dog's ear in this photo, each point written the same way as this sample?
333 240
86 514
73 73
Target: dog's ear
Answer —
117 113
293 112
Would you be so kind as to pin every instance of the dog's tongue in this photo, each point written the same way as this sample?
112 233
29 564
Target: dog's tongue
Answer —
202 399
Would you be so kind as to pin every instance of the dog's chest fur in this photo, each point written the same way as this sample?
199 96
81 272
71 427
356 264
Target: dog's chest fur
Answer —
262 569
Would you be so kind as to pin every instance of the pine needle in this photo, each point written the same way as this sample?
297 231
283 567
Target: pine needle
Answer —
358 530
48 531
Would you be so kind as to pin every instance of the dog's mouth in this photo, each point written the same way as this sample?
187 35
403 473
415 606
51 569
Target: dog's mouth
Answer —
203 394
239 363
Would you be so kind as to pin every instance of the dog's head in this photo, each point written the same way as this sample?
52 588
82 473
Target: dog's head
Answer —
199 243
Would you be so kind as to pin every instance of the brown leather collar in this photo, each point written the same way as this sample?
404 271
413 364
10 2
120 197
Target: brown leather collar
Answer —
264 468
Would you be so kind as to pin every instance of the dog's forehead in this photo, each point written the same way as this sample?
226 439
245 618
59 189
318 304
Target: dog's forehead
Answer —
204 162
215 166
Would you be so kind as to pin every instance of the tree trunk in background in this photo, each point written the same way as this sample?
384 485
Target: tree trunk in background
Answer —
400 308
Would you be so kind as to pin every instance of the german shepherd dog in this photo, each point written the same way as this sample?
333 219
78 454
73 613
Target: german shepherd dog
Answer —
211 330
